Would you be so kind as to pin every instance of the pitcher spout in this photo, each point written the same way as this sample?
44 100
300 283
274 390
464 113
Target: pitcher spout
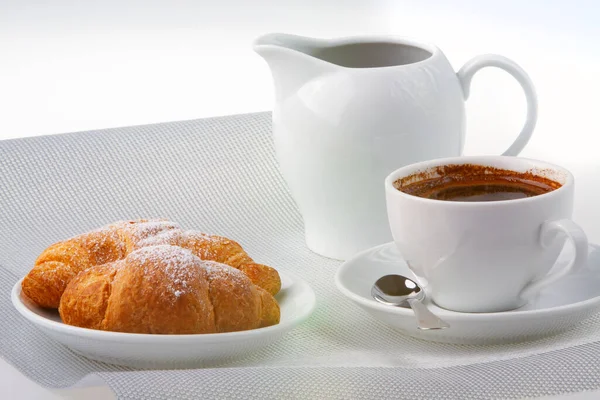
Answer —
293 60
297 43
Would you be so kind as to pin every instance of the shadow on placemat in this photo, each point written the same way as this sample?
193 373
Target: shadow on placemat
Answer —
558 372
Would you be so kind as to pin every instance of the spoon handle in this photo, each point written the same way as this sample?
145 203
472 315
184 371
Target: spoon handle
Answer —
426 319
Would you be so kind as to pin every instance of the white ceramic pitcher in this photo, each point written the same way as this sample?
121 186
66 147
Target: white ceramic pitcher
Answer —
350 111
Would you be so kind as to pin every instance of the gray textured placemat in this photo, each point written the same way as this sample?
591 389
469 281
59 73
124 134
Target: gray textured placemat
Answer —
219 175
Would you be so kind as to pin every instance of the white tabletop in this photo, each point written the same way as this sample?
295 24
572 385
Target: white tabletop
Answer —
78 66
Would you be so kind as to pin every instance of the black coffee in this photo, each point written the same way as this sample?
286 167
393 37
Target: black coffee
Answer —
475 183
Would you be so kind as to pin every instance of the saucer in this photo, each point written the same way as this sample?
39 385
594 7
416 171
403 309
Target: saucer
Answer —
555 309
296 300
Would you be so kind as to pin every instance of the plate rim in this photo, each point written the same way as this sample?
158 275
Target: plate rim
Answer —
507 316
144 338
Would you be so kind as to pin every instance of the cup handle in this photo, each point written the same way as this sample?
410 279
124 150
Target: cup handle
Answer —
465 74
549 231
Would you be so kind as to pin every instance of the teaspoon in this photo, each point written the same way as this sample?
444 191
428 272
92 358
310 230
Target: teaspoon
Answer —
397 290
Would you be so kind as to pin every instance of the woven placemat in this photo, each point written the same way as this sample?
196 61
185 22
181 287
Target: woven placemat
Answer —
220 175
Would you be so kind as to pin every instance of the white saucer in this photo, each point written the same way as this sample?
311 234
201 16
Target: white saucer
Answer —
556 309
296 299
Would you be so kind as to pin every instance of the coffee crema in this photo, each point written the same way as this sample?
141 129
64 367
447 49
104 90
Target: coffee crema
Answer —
472 183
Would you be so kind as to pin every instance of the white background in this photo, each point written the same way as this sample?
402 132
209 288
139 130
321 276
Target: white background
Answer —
79 65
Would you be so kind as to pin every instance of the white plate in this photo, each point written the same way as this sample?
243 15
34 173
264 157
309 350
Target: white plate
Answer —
556 309
296 299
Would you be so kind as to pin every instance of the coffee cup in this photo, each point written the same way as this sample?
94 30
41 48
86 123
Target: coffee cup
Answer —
483 233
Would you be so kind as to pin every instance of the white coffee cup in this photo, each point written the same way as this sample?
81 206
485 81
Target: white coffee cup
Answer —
485 256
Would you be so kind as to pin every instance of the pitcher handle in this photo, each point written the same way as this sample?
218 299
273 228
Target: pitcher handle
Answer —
465 74
548 233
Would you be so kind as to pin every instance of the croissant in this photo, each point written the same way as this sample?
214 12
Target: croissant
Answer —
62 261
166 289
